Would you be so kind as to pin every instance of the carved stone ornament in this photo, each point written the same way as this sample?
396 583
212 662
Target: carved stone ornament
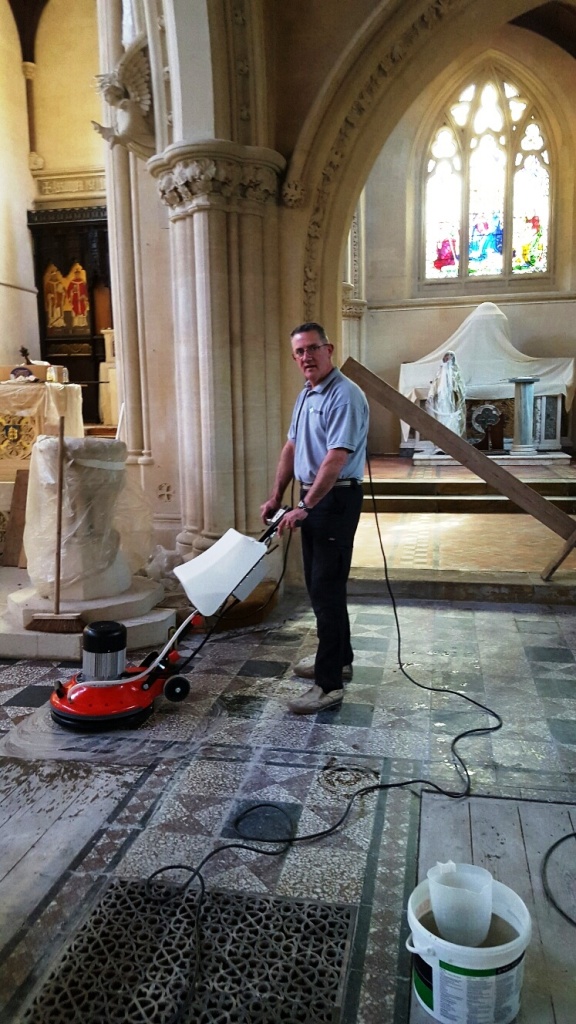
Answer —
127 91
353 309
293 193
35 162
212 177
387 66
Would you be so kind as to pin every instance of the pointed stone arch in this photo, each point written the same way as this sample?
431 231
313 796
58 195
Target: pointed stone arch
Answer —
383 71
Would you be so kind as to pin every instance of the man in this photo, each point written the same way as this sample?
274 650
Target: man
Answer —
326 452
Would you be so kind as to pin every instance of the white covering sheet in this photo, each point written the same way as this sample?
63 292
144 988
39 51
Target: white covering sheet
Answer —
47 402
487 360
106 519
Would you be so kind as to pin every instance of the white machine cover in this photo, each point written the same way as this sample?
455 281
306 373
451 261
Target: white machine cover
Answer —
233 565
487 360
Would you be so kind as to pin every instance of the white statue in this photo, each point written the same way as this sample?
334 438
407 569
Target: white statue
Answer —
446 400
127 91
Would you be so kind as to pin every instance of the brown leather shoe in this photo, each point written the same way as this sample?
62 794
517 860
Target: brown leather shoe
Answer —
314 700
305 669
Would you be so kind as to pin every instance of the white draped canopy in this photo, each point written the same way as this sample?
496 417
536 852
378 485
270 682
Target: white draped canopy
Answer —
487 360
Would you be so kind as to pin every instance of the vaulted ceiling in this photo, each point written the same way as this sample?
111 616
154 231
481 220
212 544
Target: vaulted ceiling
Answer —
27 15
554 20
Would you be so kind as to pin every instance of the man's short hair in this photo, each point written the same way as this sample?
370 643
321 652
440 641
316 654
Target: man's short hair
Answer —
309 327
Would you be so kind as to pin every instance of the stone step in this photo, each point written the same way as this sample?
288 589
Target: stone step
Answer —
549 488
147 624
461 586
150 630
456 503
143 595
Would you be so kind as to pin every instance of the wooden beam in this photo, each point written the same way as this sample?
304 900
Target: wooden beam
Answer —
464 453
13 553
562 554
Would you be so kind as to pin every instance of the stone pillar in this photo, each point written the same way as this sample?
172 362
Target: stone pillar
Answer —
222 199
353 311
124 272
354 303
523 442
35 162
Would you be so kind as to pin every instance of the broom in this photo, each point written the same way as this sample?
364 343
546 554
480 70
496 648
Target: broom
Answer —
58 622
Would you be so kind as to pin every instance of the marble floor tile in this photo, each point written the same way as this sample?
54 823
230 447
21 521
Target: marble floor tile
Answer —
231 767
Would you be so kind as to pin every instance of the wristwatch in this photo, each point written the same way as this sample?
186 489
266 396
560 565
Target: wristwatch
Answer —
302 504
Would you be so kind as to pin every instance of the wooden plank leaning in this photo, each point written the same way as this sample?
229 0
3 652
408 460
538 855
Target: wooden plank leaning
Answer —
467 455
13 553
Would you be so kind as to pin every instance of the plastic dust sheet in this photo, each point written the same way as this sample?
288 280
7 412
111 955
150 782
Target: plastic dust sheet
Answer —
105 514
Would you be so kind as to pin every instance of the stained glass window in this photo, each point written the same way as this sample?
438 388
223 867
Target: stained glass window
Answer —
487 186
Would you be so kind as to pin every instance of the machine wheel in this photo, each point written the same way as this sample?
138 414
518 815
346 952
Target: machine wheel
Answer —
176 688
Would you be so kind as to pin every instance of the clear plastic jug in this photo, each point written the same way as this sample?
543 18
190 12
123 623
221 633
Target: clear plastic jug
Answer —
461 898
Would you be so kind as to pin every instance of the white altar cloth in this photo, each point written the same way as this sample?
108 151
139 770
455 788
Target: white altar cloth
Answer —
487 360
44 403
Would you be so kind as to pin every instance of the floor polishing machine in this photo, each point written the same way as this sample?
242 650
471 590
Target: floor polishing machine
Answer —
108 694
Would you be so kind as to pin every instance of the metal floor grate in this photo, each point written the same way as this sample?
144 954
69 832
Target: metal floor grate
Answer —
262 960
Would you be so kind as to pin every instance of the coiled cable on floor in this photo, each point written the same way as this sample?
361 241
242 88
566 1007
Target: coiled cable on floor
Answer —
283 843
459 763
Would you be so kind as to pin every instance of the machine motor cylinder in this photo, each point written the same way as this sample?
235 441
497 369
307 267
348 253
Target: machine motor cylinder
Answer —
104 650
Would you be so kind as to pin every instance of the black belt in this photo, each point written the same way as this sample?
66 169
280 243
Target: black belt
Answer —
339 483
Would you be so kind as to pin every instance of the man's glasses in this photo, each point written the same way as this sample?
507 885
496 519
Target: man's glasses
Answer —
300 352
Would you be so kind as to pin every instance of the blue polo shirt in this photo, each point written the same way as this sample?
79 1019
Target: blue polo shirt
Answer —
333 414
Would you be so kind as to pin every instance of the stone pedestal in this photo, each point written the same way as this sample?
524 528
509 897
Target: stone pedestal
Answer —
91 562
523 442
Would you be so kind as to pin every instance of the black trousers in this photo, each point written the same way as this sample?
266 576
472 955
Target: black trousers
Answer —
327 542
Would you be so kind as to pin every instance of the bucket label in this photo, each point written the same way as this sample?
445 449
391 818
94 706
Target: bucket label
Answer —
456 995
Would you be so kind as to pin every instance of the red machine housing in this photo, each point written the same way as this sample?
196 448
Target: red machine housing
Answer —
98 699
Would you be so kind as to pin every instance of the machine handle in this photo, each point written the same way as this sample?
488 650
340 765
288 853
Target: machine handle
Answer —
274 522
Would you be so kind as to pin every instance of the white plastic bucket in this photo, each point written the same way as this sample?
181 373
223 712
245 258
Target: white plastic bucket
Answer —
470 984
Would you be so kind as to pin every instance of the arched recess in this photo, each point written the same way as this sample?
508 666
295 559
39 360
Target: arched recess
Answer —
553 109
386 68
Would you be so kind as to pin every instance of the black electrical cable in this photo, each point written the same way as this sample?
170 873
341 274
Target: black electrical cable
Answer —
469 732
291 838
459 763
196 873
545 882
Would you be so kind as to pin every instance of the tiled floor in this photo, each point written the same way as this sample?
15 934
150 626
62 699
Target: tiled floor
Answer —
502 543
458 541
79 811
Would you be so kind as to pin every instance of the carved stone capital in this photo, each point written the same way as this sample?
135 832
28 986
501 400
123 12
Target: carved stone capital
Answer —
192 175
353 309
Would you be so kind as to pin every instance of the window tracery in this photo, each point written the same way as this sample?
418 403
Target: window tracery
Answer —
487 187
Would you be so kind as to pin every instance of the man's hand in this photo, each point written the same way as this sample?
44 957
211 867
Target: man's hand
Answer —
291 520
268 509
